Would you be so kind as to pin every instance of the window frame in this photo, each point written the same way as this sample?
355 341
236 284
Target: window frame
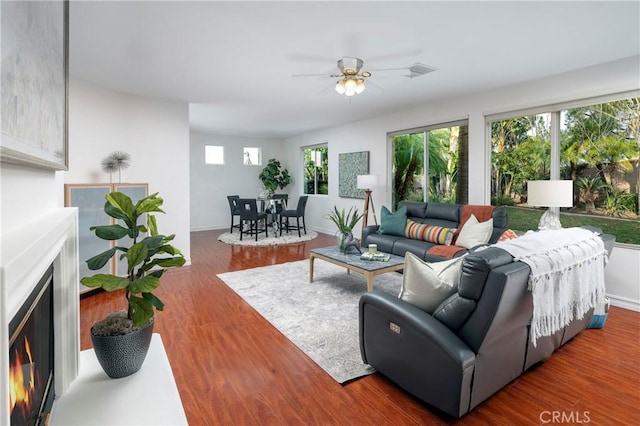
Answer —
245 150
303 150
555 110
222 163
420 129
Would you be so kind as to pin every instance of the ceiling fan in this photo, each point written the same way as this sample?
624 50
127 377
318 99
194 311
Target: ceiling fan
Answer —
352 78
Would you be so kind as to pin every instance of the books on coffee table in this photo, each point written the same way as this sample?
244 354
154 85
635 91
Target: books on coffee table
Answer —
378 256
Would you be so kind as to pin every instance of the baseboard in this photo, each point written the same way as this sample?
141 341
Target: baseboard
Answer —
208 228
624 302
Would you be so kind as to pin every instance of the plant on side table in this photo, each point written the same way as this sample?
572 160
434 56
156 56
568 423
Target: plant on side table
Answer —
274 177
121 340
345 221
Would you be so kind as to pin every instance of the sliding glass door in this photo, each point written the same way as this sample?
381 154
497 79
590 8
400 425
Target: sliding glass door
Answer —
430 163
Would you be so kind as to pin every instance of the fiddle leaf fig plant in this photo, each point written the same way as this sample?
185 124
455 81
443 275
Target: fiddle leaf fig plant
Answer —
147 256
273 177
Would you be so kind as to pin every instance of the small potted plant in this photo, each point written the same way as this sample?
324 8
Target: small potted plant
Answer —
121 340
273 177
344 221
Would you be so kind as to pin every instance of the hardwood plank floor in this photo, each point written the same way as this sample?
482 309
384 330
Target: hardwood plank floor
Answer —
233 368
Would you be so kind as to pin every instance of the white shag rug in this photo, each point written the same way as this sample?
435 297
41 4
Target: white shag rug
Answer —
320 318
250 240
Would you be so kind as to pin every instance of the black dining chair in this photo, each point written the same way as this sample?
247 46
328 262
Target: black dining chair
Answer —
235 210
249 214
282 198
297 213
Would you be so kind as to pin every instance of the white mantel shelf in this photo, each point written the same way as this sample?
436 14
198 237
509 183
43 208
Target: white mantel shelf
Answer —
148 397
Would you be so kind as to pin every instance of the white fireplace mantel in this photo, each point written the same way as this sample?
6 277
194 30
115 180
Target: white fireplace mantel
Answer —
25 254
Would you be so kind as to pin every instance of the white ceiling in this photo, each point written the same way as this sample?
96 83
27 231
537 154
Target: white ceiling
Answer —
233 61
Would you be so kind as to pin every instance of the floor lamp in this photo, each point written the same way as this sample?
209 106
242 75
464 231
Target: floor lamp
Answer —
553 194
367 182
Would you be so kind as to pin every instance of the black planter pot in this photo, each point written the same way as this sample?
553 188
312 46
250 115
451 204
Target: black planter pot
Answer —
121 356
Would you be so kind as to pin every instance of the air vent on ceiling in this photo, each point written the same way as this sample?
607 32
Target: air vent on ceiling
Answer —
419 69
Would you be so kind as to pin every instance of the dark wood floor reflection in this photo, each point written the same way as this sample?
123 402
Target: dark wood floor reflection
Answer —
233 368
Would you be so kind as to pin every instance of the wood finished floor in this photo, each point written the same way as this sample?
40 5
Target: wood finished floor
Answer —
233 368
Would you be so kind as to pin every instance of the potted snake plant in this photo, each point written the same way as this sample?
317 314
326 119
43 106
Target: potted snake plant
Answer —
344 221
121 340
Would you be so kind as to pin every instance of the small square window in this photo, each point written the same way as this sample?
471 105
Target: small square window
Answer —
252 156
213 154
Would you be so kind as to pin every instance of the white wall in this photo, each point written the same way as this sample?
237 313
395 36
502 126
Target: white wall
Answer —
370 135
210 184
27 193
154 132
622 276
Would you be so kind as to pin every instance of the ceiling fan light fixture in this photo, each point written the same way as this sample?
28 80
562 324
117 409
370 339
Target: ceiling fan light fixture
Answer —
340 87
349 65
360 87
350 87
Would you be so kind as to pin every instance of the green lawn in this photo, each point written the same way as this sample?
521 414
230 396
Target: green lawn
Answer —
626 231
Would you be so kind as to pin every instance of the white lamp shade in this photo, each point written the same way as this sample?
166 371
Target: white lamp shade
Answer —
367 181
550 193
340 87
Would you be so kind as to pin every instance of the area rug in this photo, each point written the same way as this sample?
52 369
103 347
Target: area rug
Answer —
271 240
320 318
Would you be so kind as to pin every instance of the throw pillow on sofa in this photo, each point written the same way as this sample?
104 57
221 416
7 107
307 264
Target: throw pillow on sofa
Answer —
474 233
393 223
430 233
426 285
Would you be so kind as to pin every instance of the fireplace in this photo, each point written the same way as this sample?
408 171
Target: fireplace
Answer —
28 252
31 356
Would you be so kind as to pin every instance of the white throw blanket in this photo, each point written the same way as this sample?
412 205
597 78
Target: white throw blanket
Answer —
567 275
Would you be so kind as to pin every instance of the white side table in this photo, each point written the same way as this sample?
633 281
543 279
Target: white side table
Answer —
148 397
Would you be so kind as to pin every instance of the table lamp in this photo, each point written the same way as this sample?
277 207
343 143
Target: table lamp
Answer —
552 194
367 182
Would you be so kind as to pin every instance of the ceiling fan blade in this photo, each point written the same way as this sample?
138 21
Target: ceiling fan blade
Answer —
310 75
328 88
391 69
376 86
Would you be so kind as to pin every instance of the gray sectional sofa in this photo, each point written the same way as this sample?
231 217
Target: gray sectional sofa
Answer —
438 214
475 342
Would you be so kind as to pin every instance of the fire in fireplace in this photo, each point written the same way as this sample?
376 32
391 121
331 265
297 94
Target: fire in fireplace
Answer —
31 356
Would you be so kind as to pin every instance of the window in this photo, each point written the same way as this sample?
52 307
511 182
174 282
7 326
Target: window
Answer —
316 169
430 164
252 156
213 154
594 144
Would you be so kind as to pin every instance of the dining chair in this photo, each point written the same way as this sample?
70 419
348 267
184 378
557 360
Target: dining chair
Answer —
249 214
234 209
297 213
282 198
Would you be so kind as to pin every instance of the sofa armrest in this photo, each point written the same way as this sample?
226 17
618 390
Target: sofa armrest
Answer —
416 351
366 231
410 318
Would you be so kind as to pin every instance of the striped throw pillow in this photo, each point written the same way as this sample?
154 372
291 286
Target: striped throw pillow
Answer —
430 233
